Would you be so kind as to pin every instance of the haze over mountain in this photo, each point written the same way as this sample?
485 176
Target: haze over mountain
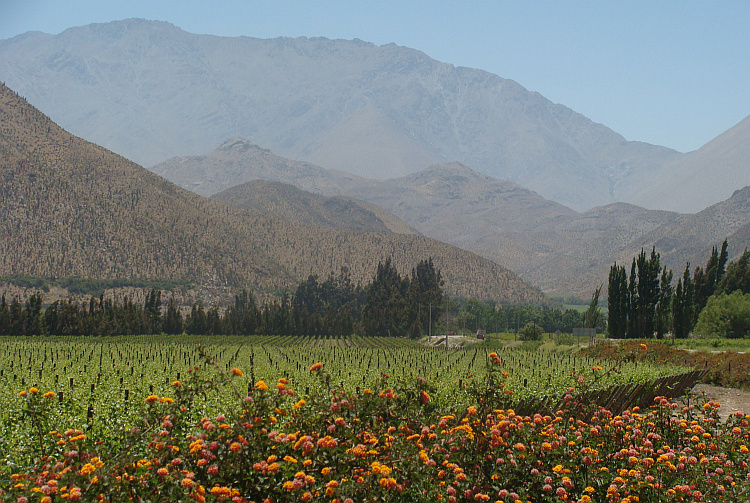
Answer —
72 208
287 202
701 178
151 91
551 246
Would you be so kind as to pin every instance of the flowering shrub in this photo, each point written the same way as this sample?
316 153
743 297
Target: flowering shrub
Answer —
388 443
725 368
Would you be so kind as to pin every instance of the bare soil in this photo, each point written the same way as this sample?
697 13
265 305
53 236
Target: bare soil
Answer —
731 399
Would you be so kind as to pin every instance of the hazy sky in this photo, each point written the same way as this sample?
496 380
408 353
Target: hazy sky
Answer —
674 73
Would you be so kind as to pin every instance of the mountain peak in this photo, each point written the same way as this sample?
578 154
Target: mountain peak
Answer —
374 111
240 145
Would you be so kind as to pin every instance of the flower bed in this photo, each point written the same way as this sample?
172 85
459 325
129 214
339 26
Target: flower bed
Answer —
725 368
388 443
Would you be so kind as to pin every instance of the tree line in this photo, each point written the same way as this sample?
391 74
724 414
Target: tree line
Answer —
391 304
648 304
470 315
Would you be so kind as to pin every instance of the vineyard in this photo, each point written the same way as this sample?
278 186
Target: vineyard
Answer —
333 419
97 380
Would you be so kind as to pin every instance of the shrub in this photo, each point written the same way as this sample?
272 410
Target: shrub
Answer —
725 316
531 332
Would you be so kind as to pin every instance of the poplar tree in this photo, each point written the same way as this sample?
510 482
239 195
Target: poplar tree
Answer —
617 298
682 306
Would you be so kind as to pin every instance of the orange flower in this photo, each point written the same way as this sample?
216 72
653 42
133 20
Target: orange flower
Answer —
316 366
237 372
424 397
151 398
261 385
49 394
642 346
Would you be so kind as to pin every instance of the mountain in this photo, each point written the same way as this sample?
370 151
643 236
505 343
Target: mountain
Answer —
287 202
692 236
151 91
72 208
239 160
549 245
701 178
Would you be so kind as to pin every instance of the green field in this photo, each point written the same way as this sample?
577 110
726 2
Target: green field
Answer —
98 380
100 418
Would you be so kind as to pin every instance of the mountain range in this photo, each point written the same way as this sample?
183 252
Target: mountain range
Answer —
69 208
549 245
151 91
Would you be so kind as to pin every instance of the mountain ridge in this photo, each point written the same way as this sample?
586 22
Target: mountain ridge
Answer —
551 246
378 111
69 207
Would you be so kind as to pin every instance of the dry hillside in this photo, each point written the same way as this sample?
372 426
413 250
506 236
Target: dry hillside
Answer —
71 208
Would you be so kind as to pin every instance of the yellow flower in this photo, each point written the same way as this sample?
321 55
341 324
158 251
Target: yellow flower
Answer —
87 469
34 390
261 385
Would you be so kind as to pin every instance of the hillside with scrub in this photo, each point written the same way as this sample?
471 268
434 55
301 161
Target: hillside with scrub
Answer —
70 208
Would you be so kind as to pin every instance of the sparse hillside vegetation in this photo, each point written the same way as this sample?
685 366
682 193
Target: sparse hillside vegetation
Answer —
69 208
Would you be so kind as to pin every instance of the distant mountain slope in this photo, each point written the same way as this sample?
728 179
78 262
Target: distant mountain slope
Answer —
547 244
151 91
238 160
71 208
689 238
706 176
288 203
451 202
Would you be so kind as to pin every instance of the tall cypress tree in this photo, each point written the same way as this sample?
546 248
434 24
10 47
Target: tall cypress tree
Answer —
647 293
664 304
385 311
737 276
633 304
617 298
173 318
682 306
425 299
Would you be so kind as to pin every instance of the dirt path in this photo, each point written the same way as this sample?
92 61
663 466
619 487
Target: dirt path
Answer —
731 400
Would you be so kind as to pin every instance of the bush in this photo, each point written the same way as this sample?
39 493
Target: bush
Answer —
725 316
566 339
531 332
